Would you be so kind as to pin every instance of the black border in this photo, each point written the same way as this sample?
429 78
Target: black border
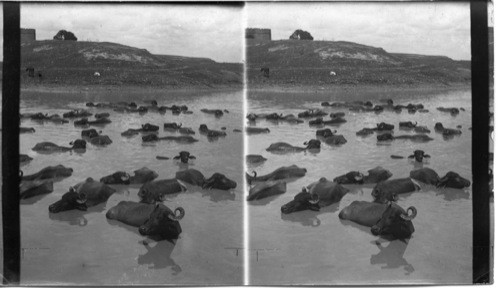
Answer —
10 144
482 246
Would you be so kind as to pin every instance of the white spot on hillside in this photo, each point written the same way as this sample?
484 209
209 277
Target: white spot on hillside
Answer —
92 54
277 48
42 48
363 55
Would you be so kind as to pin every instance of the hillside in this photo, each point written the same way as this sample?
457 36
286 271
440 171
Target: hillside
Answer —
293 62
75 63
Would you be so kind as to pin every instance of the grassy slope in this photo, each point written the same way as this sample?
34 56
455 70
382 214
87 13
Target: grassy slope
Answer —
293 62
74 63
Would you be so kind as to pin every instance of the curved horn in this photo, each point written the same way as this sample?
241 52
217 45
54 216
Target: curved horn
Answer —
376 192
71 143
82 198
125 177
180 125
306 143
21 173
254 174
175 217
409 216
314 199
415 124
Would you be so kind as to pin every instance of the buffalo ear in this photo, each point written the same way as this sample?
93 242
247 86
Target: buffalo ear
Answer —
411 156
427 156
177 157
192 157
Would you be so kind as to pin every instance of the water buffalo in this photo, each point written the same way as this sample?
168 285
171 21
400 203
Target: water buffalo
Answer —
266 189
49 172
140 176
83 195
90 133
216 181
156 191
282 147
325 133
186 131
156 221
256 130
211 133
26 130
416 138
382 126
184 156
419 155
453 111
144 128
29 189
388 190
283 172
290 118
335 140
317 121
78 113
312 113
453 180
101 115
407 124
23 158
254 159
365 132
49 147
100 140
439 128
425 175
383 219
375 175
421 129
319 194
180 139
97 122
219 181
216 112
55 118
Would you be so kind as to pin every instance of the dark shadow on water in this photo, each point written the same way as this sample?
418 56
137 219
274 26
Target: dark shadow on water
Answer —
263 201
77 217
123 225
392 256
216 195
309 217
451 194
32 200
356 225
159 257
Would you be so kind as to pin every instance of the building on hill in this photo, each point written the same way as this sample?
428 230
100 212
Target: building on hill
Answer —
28 35
257 35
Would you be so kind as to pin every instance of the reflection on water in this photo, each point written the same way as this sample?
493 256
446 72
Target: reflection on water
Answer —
391 256
213 218
318 247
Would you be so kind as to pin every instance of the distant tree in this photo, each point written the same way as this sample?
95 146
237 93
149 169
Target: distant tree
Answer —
301 35
65 35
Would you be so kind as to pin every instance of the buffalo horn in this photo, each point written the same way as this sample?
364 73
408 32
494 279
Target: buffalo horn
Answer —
82 198
314 199
409 216
175 217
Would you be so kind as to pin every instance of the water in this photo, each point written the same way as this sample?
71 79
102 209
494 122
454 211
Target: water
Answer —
76 247
316 247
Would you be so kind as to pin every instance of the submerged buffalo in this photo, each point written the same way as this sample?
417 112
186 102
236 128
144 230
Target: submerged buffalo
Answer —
23 158
49 172
375 175
419 155
282 147
407 124
211 133
184 156
100 140
255 159
319 194
335 140
266 189
439 128
49 147
33 188
416 137
216 112
453 180
180 139
172 126
383 219
155 191
156 221
77 113
216 181
144 128
256 130
140 176
389 190
283 172
312 113
82 196
425 175
26 130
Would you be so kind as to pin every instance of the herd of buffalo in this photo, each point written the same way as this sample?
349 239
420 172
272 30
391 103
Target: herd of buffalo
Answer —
382 215
149 214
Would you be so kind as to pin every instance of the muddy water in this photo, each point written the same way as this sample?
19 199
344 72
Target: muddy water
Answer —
317 247
76 247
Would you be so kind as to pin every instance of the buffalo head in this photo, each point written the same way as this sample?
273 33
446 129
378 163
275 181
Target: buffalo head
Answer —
163 223
313 144
184 156
150 127
219 181
419 155
78 144
384 126
302 201
150 138
453 180
69 201
395 222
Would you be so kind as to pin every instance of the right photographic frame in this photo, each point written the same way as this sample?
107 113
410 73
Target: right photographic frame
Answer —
359 143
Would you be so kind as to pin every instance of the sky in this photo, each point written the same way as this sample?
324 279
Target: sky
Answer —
211 31
419 28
